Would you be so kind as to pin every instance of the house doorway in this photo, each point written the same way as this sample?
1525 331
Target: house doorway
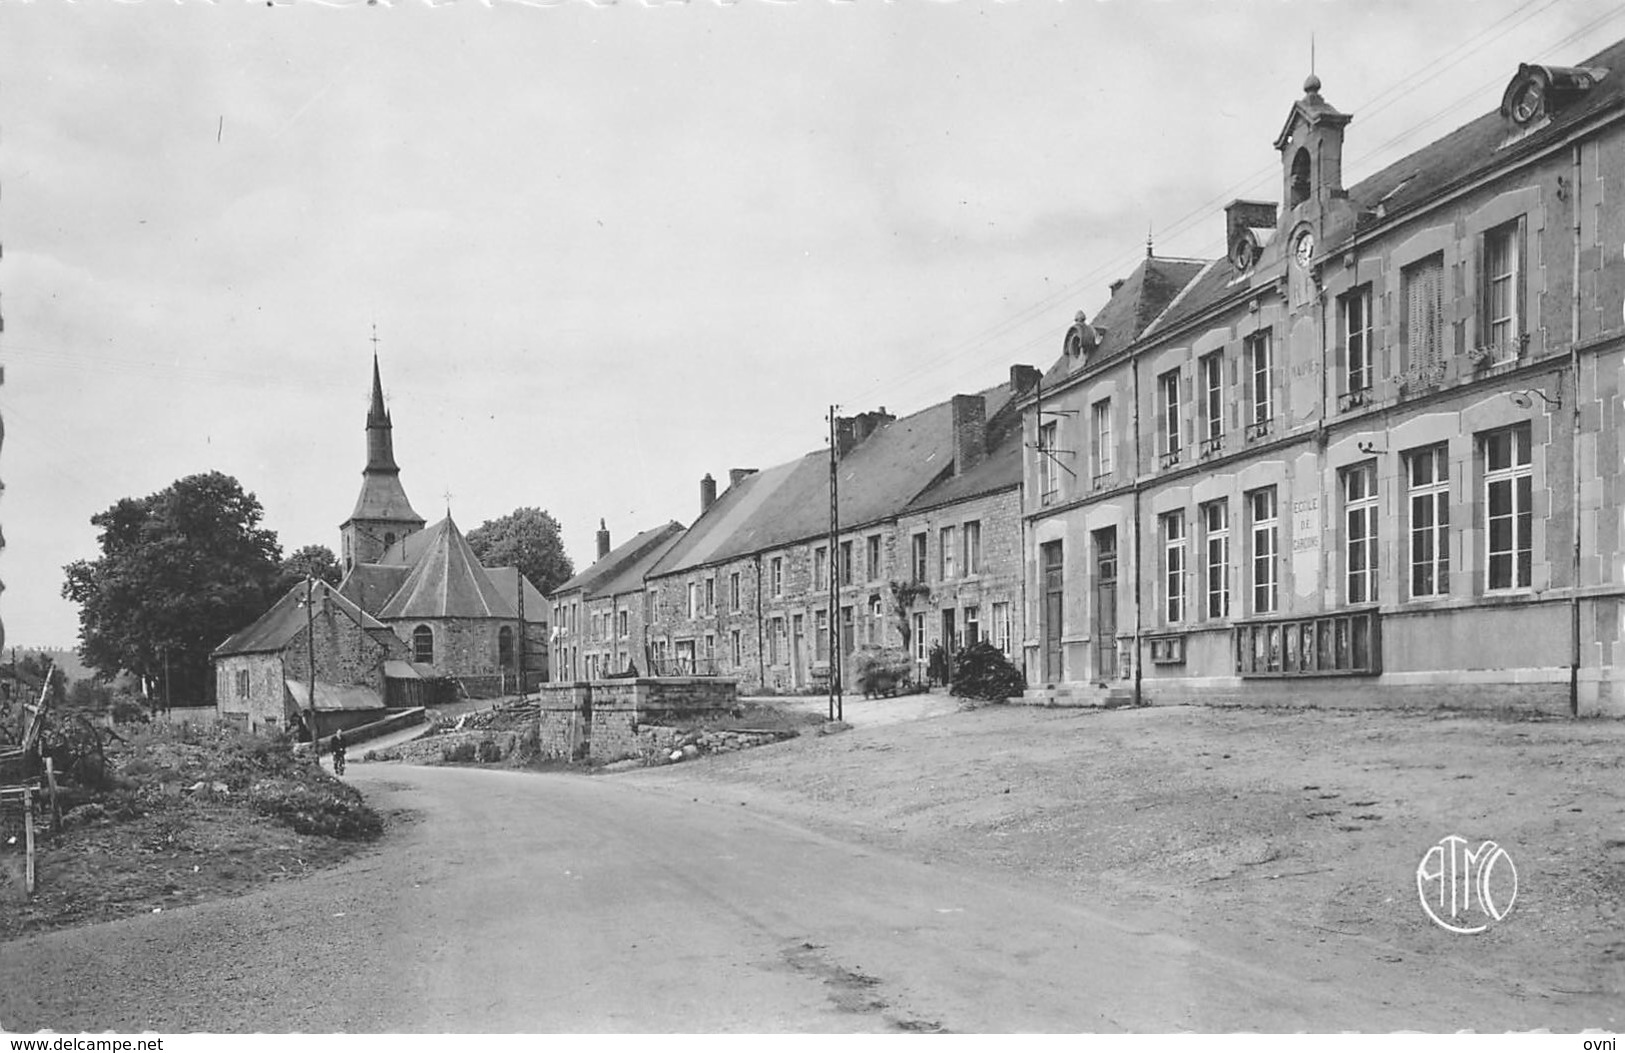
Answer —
1105 629
1054 596
798 647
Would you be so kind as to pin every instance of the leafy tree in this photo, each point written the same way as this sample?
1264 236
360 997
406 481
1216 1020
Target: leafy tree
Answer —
36 666
904 594
312 560
180 570
527 538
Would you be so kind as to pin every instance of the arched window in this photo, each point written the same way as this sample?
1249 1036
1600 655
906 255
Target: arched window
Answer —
423 645
504 647
1300 176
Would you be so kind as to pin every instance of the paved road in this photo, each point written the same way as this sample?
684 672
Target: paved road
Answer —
522 902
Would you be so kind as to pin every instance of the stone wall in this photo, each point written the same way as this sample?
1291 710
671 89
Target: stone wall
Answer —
607 720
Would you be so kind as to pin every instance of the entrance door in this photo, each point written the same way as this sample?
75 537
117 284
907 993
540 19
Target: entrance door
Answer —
948 632
798 646
1105 631
1054 594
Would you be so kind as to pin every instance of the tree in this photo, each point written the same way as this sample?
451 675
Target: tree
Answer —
315 561
904 594
527 538
180 570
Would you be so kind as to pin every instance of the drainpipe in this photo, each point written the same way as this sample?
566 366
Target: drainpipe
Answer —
761 658
1574 447
1139 695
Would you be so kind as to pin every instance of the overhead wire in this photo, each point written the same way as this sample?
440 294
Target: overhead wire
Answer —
991 333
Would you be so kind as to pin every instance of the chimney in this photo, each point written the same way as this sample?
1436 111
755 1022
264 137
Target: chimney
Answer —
736 474
970 432
1023 379
603 539
1255 216
845 436
708 493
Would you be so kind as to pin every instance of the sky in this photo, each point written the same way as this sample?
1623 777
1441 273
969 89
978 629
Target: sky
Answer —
609 248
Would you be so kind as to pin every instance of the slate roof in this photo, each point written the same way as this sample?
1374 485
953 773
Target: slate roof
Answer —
274 629
505 581
640 551
1144 295
332 697
1000 471
370 585
789 503
1476 149
447 581
630 576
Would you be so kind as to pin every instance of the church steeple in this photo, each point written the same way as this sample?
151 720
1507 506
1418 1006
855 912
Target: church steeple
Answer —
380 432
383 516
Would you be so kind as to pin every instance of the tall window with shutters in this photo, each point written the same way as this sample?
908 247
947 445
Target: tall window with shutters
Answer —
1422 291
1501 298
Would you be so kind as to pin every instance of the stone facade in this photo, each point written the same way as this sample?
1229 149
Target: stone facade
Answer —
1378 457
607 720
976 589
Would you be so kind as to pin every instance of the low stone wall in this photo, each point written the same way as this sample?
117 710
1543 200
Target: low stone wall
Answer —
608 720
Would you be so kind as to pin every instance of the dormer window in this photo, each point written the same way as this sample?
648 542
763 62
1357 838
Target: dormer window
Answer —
1536 92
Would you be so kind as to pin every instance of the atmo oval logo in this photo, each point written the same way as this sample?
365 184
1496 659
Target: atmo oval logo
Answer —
1459 886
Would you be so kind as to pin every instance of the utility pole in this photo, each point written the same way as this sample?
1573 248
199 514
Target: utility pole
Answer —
524 643
310 663
833 567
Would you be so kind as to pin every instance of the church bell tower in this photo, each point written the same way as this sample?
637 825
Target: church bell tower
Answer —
382 514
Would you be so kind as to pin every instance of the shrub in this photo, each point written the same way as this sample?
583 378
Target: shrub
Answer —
982 671
330 808
881 671
490 752
458 753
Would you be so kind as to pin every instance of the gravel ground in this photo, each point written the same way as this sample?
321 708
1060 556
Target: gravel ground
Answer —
1287 835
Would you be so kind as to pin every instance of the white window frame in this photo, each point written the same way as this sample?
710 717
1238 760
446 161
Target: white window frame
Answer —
1263 509
1173 566
1427 471
1516 480
1216 531
1360 522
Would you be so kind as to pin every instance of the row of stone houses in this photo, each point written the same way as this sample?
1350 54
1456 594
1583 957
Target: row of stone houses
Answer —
1372 453
928 552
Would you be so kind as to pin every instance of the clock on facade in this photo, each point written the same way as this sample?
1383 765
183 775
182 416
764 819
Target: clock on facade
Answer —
1304 247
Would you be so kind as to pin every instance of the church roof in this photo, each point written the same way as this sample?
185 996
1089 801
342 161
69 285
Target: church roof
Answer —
447 581
370 585
383 497
277 627
505 580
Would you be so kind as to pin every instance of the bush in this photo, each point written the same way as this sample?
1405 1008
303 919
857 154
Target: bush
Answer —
489 752
459 753
881 671
330 808
982 671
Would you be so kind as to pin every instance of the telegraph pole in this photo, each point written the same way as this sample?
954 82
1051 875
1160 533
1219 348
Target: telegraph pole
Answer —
833 565
310 663
524 644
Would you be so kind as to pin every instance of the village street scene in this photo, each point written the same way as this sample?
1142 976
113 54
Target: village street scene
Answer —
1121 541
